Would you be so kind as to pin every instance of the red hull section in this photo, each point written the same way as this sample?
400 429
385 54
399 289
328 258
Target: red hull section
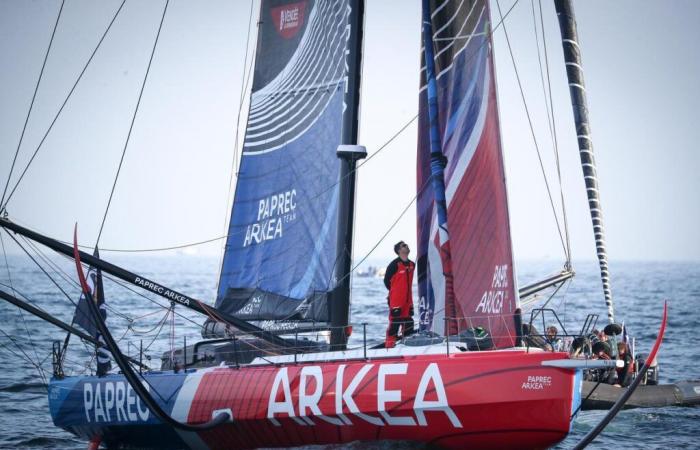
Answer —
497 399
485 400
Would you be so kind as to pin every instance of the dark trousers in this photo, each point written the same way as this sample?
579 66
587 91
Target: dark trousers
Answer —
396 323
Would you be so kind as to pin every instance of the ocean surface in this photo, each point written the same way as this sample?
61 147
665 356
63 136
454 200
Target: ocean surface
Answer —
639 290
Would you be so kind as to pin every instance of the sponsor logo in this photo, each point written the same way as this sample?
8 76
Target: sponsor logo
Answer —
492 301
288 19
251 307
430 395
113 401
272 325
157 288
536 383
274 212
426 313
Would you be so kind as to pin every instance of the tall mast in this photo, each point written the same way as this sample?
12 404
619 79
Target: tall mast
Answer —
577 89
438 161
348 153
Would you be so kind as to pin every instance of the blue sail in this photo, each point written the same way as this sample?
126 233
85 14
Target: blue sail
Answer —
281 247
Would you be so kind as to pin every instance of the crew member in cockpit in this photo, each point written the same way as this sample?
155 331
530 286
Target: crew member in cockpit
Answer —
399 280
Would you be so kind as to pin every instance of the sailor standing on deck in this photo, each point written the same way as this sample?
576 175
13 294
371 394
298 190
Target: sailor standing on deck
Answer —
399 280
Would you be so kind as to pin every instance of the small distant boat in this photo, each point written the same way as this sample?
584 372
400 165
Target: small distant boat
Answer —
369 272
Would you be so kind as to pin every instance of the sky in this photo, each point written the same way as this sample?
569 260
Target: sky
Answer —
641 65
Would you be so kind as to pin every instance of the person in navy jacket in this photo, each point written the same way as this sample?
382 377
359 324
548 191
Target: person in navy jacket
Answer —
399 280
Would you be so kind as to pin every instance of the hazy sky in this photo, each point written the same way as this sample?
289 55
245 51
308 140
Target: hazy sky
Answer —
641 63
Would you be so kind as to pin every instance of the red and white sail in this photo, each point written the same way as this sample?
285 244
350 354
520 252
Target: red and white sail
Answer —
485 292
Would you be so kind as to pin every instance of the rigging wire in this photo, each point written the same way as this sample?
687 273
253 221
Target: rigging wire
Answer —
532 131
26 298
362 163
130 321
133 120
38 252
554 132
60 288
66 277
19 310
175 247
391 227
549 113
40 370
374 154
206 241
134 291
551 124
70 93
171 313
391 139
31 104
151 330
244 87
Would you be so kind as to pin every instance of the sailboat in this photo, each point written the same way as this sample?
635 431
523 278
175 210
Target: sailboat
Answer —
254 381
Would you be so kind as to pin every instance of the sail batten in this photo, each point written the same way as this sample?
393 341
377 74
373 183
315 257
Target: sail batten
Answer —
481 261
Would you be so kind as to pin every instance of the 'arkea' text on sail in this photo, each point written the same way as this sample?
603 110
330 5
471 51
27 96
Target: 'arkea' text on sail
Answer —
273 212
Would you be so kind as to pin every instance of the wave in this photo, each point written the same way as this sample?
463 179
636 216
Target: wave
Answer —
39 388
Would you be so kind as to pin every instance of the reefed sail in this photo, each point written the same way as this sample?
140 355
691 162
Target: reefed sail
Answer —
475 192
281 246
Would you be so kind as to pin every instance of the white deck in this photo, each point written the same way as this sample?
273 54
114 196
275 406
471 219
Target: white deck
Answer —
359 353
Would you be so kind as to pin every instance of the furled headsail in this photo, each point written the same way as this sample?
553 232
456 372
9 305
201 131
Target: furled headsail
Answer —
281 247
480 251
84 318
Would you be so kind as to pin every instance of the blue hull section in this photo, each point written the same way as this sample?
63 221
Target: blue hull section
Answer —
108 407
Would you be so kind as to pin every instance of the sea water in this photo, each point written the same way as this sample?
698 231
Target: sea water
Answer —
639 290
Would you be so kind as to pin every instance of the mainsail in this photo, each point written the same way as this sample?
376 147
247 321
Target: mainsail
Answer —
480 252
281 248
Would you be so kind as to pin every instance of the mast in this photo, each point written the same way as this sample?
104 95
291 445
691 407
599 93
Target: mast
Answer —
348 153
438 162
577 90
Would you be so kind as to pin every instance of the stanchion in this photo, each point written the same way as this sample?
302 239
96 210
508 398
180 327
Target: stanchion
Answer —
364 339
447 336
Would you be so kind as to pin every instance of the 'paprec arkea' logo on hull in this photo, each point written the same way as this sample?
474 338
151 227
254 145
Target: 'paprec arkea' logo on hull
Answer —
430 395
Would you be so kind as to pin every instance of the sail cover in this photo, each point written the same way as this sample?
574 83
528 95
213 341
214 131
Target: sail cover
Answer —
477 210
281 247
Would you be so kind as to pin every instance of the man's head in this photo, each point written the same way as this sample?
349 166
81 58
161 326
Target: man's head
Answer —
552 332
401 249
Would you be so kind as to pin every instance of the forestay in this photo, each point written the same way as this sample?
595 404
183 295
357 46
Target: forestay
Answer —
480 250
281 247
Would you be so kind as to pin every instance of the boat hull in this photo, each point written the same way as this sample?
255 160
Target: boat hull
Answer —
500 399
